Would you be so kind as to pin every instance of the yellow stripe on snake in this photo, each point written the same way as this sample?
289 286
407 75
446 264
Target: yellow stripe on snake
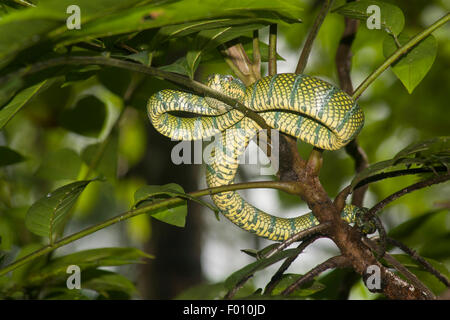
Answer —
299 105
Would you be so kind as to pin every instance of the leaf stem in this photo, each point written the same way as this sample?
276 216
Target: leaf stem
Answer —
398 54
303 60
273 49
289 187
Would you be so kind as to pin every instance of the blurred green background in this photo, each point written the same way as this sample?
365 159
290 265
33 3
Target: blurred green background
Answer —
59 129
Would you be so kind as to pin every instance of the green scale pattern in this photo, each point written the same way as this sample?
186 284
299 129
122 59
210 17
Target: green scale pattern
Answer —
299 105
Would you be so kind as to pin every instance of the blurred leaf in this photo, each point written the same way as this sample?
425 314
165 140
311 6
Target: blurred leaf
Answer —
435 150
172 215
141 57
108 284
64 294
20 273
45 216
437 247
88 259
102 157
9 156
429 153
289 279
426 277
407 228
208 291
412 67
391 16
246 271
180 66
213 291
60 164
12 107
259 254
87 117
36 24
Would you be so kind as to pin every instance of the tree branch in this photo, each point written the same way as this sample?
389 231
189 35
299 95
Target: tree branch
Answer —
303 60
413 254
273 49
332 263
286 264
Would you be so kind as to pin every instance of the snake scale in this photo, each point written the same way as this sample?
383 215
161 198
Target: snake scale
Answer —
299 105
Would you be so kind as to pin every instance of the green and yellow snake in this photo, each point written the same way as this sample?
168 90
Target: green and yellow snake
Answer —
299 105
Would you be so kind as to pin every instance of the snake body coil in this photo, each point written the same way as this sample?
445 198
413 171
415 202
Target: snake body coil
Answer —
302 106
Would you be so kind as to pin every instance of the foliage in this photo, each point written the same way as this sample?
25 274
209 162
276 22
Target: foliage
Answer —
72 137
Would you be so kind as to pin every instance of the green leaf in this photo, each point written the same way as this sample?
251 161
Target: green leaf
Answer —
87 117
155 15
211 39
21 99
213 291
9 156
259 254
88 259
180 66
109 285
46 216
290 278
248 270
60 164
391 16
412 67
431 154
102 157
173 215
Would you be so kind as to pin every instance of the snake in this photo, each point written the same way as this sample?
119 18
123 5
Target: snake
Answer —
305 107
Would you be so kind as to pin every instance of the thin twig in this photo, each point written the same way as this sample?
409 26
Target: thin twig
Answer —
286 264
397 173
413 254
256 65
273 49
416 186
334 262
303 60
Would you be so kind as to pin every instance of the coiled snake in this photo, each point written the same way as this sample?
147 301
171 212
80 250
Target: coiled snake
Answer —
299 105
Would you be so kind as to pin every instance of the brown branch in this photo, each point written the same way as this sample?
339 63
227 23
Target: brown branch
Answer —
303 60
273 49
286 264
343 65
256 65
413 254
334 262
361 163
402 269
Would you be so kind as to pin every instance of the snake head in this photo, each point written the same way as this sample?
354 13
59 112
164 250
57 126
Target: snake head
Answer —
364 222
228 85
